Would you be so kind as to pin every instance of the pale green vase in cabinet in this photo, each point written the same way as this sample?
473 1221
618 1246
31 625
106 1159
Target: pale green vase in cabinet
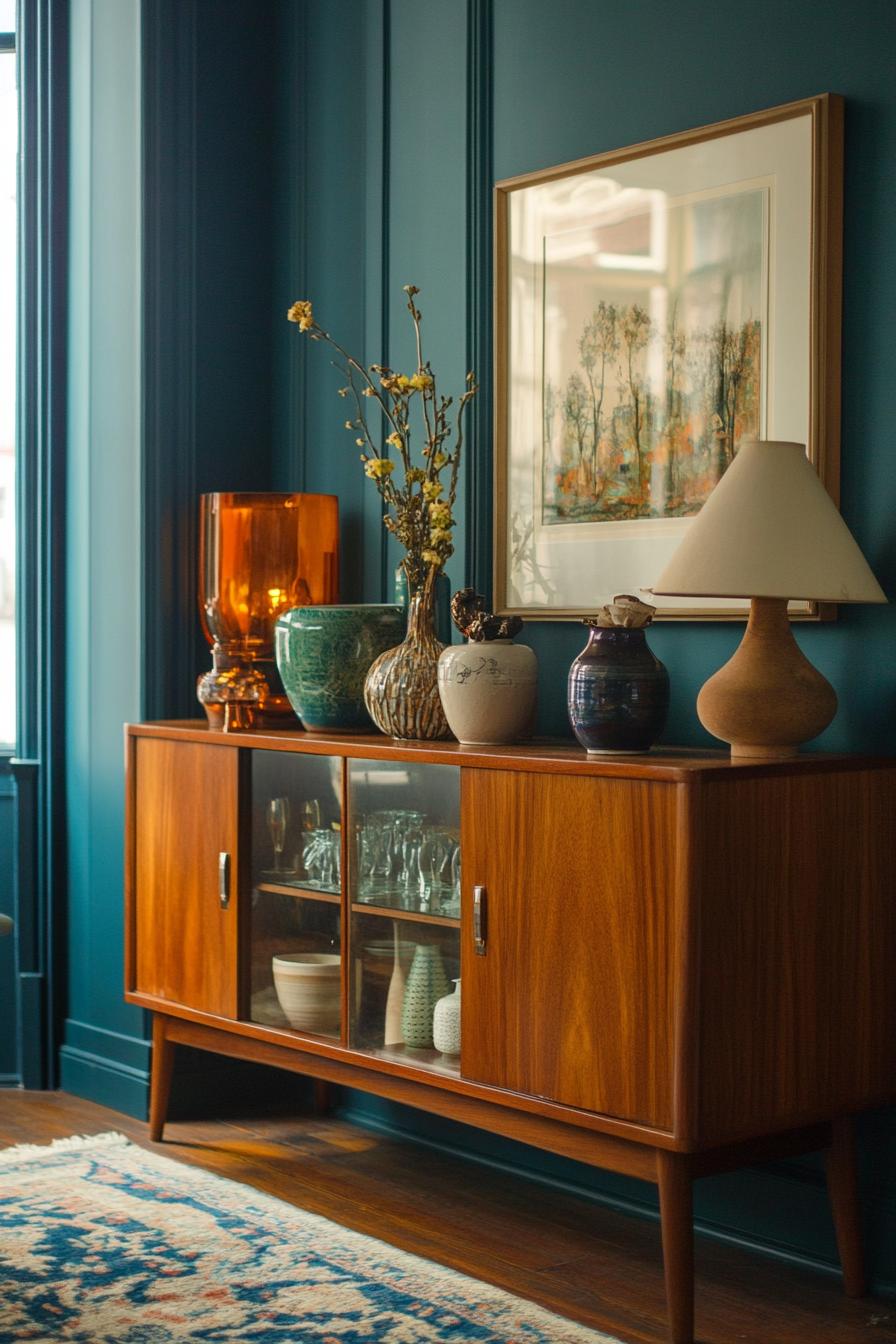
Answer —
427 983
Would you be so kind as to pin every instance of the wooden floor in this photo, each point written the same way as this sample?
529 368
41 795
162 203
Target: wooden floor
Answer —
596 1266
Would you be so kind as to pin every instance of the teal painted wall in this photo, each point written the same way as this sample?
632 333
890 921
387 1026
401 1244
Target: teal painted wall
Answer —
572 79
381 153
169 395
382 160
332 245
366 181
104 1054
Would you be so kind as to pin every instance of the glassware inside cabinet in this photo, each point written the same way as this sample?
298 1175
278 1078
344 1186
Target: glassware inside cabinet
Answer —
404 888
295 943
405 852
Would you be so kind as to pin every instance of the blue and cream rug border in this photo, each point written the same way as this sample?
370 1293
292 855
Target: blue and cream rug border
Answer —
103 1242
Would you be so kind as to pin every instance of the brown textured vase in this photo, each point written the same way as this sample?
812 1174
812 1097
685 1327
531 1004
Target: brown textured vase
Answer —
401 691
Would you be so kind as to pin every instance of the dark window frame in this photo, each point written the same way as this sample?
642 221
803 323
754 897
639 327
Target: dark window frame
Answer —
38 767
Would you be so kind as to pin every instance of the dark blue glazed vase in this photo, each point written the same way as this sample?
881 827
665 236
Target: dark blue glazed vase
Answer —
618 693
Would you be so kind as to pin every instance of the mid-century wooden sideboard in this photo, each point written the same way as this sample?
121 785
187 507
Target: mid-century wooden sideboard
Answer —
671 965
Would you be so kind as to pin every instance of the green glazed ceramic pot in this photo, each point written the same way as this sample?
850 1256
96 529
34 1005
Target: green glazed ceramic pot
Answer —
427 983
323 655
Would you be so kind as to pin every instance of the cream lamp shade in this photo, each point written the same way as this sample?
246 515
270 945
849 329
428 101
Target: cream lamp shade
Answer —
770 529
771 532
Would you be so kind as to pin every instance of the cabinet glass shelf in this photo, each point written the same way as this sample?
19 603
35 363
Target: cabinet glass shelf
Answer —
300 890
411 916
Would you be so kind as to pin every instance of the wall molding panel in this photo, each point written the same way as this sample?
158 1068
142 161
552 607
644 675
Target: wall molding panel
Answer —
377 278
108 1066
290 242
170 339
104 646
480 271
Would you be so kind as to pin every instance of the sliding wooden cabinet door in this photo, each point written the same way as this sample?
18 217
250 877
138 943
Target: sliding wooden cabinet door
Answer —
185 818
571 998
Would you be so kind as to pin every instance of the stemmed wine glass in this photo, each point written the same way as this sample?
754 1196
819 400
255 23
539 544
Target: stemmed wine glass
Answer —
278 820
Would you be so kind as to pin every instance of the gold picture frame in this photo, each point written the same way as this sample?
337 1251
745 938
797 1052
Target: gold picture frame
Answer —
653 306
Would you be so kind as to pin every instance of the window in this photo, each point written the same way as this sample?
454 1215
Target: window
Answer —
8 154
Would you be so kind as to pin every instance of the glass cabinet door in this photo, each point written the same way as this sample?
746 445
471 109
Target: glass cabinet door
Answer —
404 893
295 944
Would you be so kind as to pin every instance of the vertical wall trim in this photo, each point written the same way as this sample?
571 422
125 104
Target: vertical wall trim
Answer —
43 44
299 428
169 354
293 71
378 102
386 306
480 175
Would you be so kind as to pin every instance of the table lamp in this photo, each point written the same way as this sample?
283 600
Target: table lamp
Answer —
771 532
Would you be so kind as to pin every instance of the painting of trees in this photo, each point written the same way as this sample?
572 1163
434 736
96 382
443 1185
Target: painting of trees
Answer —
636 327
659 451
653 375
598 347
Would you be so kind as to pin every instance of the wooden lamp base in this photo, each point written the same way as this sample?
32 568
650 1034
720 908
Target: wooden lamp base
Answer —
768 699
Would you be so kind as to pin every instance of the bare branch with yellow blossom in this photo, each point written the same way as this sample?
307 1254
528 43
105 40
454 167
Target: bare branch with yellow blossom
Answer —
419 508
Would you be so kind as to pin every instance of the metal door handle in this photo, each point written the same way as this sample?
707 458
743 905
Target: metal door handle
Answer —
224 880
479 920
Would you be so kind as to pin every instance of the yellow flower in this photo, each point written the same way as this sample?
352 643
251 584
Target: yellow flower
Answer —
414 475
439 461
378 468
440 514
432 490
431 557
359 442
440 536
420 381
402 382
301 313
349 424
394 438
343 392
368 392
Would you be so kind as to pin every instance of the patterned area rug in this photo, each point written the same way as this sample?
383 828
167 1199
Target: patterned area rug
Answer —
102 1242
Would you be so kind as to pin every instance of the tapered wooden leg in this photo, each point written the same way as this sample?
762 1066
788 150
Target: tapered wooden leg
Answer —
843 1191
677 1219
323 1097
160 1081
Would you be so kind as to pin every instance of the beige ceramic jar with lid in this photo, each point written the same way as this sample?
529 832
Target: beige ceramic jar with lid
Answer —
488 685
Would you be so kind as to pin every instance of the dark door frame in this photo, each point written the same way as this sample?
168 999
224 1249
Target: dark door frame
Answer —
39 768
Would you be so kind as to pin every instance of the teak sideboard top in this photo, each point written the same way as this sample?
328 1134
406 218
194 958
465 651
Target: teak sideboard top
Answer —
550 756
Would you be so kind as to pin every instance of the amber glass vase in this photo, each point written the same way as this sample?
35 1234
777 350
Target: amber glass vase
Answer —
259 555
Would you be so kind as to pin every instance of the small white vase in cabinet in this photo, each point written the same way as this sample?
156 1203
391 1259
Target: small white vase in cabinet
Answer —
488 690
446 1023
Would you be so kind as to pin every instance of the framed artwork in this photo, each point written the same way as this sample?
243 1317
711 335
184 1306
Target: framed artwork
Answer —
655 306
